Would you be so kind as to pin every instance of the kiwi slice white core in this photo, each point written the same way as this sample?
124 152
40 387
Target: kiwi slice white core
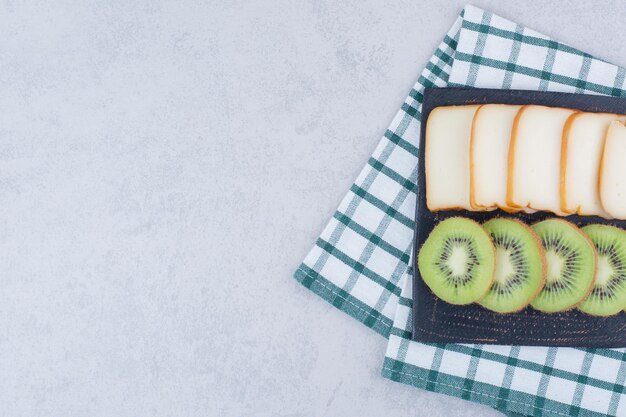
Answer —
460 262
605 271
504 265
556 264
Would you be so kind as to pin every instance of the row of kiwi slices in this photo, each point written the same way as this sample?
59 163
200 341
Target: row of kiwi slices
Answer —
505 265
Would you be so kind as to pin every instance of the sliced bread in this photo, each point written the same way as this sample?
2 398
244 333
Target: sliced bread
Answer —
489 149
447 157
581 151
535 158
612 171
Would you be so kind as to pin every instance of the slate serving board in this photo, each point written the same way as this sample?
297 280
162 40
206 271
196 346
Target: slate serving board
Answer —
435 321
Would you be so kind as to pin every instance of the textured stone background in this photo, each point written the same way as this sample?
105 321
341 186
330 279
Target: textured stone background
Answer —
164 167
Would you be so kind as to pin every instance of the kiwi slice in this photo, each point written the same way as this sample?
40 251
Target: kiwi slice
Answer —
571 261
457 261
520 266
608 295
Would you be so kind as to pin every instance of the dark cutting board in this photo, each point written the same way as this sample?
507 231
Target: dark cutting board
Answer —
435 321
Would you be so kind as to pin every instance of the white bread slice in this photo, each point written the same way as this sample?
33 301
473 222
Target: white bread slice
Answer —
581 151
489 150
535 158
612 168
447 157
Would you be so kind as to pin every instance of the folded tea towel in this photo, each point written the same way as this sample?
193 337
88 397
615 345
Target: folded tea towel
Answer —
360 262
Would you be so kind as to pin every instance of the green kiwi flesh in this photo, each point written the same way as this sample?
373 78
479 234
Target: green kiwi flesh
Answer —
571 265
608 295
457 261
520 266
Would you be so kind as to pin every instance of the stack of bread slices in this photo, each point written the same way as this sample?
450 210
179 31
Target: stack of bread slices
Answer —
526 158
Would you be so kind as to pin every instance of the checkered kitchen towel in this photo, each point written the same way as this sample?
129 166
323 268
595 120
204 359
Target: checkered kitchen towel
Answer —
360 262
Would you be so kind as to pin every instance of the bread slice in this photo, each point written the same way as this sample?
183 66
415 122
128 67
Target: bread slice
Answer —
535 158
489 149
581 151
447 157
612 165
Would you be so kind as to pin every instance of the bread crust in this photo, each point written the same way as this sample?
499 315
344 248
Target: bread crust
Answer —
510 186
472 180
563 163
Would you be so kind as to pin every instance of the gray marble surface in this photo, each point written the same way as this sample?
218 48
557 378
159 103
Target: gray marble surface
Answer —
165 166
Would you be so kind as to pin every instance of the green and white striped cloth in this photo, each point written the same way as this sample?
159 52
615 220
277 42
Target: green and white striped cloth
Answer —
360 262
